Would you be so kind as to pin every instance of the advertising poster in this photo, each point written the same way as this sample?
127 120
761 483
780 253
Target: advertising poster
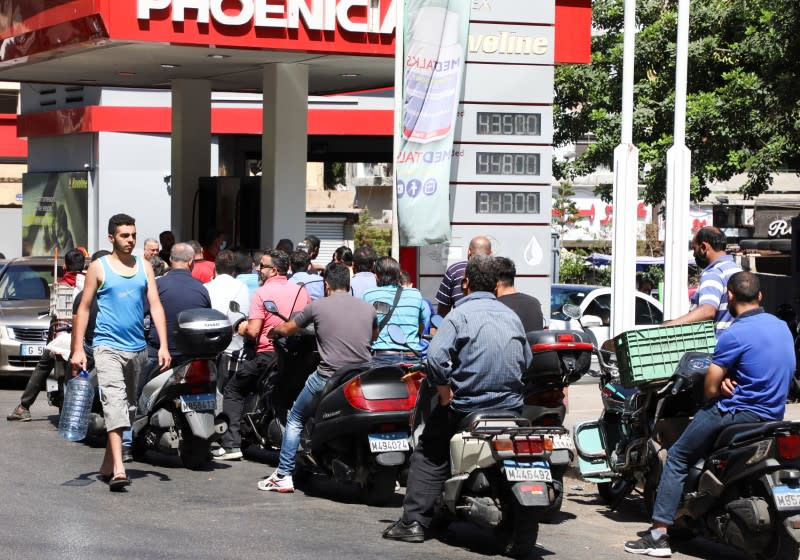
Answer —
436 37
55 212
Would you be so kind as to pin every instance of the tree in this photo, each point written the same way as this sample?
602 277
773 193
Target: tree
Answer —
565 211
744 92
366 233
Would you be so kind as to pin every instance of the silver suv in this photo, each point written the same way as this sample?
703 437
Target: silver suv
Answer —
24 312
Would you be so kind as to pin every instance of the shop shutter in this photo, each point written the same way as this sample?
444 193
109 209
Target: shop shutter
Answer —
330 231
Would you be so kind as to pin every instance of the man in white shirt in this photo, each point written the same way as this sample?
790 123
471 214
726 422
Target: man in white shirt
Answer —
224 289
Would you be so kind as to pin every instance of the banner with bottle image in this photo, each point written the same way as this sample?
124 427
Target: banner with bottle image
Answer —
435 37
55 212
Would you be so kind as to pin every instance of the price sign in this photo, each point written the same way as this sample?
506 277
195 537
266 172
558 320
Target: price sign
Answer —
504 124
529 165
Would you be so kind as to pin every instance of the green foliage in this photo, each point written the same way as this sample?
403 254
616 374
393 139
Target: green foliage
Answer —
333 174
572 268
654 274
565 211
743 112
378 237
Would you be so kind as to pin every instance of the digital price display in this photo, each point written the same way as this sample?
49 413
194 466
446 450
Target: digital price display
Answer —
509 124
507 202
507 163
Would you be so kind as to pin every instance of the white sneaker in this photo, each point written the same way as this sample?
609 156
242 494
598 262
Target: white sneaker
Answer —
275 483
223 454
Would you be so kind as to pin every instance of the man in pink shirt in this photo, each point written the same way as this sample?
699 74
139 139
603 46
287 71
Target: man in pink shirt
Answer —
289 298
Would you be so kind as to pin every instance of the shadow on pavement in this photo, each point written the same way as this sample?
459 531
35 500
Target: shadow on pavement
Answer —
469 537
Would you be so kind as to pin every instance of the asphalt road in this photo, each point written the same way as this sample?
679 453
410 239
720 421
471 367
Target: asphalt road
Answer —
56 508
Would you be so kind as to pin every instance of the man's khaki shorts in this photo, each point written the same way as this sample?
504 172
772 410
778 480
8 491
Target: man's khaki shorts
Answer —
118 375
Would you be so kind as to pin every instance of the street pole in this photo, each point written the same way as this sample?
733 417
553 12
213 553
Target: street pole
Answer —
399 66
626 193
679 165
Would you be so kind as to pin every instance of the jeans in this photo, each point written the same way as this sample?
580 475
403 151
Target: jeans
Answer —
695 442
303 407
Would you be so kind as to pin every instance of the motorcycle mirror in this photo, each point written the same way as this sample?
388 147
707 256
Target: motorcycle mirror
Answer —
234 307
396 334
571 310
270 307
436 321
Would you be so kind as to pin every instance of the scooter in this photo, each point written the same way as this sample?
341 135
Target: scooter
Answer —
746 493
500 473
178 410
359 433
560 358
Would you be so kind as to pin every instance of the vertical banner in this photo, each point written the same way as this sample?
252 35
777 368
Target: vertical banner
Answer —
435 39
55 212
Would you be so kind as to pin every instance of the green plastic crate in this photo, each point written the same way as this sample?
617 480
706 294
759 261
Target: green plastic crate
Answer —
651 355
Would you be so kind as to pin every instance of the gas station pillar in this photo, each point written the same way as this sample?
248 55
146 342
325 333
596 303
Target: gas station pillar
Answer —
284 153
191 151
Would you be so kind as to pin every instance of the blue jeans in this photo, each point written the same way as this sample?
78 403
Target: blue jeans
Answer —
303 407
695 442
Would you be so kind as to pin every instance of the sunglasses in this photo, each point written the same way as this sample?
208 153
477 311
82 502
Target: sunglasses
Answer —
263 266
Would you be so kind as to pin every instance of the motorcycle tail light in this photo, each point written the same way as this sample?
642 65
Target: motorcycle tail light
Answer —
566 338
503 446
788 446
552 398
354 393
198 373
532 445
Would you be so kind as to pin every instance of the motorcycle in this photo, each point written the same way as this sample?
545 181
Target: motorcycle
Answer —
786 313
500 473
359 433
745 493
560 358
178 410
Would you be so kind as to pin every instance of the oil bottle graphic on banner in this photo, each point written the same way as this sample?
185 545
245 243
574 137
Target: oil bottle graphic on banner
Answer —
434 58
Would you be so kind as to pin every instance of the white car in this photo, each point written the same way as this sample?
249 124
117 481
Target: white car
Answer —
595 305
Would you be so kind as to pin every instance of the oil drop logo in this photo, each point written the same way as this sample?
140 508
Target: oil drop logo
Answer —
534 255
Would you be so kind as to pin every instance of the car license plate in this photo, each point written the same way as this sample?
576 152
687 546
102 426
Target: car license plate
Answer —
199 403
31 350
394 441
561 441
787 497
517 471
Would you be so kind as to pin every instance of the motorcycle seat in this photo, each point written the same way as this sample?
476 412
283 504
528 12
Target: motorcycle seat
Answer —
468 420
741 432
343 375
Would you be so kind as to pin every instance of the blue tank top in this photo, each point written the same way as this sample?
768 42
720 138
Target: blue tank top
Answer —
120 316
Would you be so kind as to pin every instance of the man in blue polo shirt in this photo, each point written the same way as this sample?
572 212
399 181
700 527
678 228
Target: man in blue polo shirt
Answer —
710 301
748 381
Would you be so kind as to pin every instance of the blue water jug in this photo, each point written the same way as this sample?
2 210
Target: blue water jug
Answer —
74 420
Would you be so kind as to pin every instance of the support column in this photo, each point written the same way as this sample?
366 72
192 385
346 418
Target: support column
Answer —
284 151
191 150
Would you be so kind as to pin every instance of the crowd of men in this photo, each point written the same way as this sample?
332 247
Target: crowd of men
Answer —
473 364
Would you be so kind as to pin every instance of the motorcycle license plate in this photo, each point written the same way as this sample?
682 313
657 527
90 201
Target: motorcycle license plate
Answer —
517 471
561 441
786 497
394 441
199 403
30 350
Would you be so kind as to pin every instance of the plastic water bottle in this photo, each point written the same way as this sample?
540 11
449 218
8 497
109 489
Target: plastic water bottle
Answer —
74 421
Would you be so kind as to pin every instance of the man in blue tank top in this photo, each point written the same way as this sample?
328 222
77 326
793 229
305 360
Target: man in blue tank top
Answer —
120 282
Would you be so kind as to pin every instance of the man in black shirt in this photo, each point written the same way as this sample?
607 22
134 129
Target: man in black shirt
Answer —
526 307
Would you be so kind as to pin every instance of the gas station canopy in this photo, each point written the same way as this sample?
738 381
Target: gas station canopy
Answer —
348 45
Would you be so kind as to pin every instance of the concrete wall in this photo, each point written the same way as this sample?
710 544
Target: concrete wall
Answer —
11 232
131 179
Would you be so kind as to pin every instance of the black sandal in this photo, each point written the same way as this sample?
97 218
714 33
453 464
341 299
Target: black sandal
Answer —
119 484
